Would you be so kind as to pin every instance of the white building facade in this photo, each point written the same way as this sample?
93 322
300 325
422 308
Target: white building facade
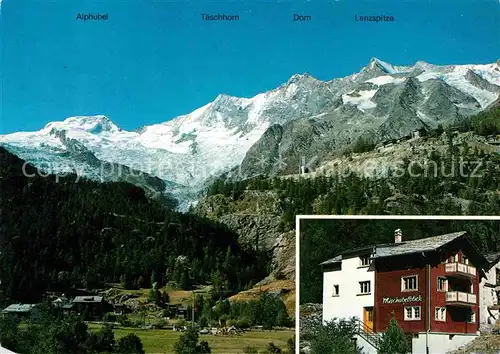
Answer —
489 294
348 291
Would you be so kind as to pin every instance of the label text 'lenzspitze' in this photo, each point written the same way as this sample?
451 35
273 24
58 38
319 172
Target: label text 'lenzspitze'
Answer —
381 18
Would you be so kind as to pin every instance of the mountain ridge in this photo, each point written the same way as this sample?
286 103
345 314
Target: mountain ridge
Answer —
191 149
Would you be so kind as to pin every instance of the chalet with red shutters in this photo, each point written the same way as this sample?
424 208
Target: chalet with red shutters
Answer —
431 286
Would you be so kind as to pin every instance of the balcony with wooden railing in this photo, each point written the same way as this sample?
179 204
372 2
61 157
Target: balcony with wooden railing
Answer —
459 298
460 270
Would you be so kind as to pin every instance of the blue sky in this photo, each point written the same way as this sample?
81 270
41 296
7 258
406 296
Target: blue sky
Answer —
152 61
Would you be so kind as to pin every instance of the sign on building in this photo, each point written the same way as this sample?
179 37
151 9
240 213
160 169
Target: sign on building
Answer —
399 300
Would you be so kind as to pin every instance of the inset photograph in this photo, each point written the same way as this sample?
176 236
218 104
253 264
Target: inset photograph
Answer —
154 156
399 285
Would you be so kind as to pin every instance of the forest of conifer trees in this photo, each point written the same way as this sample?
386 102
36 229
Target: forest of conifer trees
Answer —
61 235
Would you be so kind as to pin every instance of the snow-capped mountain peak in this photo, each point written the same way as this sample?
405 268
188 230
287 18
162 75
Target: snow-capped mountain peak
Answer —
91 124
224 100
382 65
424 65
300 78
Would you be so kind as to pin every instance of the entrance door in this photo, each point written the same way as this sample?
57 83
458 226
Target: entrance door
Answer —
368 317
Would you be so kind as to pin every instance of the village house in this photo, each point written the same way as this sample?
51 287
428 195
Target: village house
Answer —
91 307
182 312
19 310
430 285
63 303
119 309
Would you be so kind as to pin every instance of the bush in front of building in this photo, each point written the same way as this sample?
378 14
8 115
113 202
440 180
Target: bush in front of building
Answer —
110 317
203 322
169 312
250 350
160 324
496 328
9 332
124 321
188 343
130 344
334 337
273 349
138 323
102 341
243 322
62 334
394 340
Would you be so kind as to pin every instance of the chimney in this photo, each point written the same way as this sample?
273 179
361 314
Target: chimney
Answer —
398 236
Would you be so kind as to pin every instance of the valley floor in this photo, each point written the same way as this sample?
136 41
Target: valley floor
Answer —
161 341
284 287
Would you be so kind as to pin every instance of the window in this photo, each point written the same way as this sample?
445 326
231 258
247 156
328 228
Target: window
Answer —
416 311
364 287
335 290
412 313
471 318
408 312
440 314
442 284
364 261
409 283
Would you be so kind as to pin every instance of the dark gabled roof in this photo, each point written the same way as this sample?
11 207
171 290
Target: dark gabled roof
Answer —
421 245
60 300
87 299
359 250
19 308
351 252
396 249
336 259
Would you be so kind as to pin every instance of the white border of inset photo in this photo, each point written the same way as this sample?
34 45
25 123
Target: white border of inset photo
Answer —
298 218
